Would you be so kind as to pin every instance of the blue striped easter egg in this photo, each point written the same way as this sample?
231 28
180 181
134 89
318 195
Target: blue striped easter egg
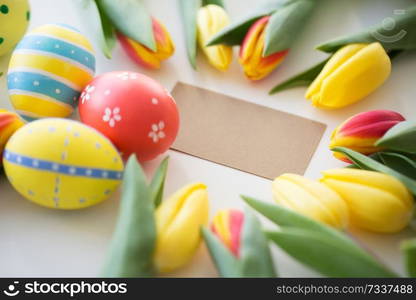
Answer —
48 70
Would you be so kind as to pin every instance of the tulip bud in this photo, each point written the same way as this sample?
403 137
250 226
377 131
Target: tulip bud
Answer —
210 20
360 132
255 65
351 74
9 123
311 198
377 201
178 222
227 225
143 55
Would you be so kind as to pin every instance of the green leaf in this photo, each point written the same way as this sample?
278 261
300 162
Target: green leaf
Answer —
98 23
401 137
400 162
234 33
133 243
108 32
131 18
226 263
214 2
158 182
325 255
401 35
294 226
189 10
367 163
290 219
285 25
409 253
255 252
303 79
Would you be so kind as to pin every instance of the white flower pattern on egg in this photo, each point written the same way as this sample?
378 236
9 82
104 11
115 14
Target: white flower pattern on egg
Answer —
86 93
157 132
112 116
127 76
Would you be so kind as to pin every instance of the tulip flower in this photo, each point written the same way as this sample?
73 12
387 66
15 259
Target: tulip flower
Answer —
361 132
352 73
178 222
377 202
9 123
143 55
227 225
311 198
238 245
255 65
210 20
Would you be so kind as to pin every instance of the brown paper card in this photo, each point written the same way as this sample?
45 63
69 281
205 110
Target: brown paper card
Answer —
242 135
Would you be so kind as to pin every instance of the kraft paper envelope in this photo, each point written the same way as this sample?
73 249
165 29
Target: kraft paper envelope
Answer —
242 135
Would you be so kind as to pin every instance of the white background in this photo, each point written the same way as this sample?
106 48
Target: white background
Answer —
35 241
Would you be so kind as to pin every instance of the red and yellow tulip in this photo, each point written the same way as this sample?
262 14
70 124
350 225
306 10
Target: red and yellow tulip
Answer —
255 65
227 225
360 132
143 55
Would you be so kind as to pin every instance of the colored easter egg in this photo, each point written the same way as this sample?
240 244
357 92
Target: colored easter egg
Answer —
48 69
9 123
14 19
60 163
134 111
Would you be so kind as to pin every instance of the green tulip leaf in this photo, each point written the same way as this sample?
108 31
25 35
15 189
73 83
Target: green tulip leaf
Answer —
131 18
255 253
325 255
287 218
401 137
99 24
400 162
367 163
285 25
293 226
214 2
133 243
303 79
189 10
226 263
409 252
234 33
399 34
158 182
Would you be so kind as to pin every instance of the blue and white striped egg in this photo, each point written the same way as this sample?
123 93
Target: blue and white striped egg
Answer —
48 70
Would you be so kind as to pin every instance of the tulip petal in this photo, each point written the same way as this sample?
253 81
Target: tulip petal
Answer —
310 198
372 179
178 221
351 74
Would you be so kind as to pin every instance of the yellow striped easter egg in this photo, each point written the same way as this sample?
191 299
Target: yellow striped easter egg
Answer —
63 164
48 69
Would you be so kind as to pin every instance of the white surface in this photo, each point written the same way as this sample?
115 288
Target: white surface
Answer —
35 241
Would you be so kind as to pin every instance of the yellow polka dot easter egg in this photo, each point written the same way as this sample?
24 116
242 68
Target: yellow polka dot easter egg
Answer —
48 69
14 19
63 164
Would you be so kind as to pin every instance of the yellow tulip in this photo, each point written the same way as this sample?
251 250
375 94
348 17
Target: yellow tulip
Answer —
255 65
311 198
351 74
210 20
377 202
178 221
143 55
